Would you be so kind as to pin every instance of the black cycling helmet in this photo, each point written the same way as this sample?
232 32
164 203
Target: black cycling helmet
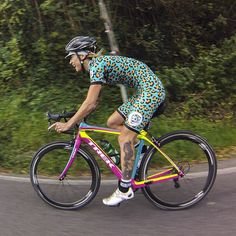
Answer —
81 45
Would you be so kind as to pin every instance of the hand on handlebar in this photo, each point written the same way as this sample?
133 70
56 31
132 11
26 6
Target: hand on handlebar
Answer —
60 127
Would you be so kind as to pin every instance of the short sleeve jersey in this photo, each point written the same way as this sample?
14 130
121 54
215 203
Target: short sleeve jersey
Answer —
113 70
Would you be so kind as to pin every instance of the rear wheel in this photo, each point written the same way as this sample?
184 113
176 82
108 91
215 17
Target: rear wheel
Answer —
194 156
80 184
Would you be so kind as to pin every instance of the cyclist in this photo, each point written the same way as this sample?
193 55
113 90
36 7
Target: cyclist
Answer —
131 117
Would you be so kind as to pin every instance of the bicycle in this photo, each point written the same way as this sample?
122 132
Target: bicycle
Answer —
177 170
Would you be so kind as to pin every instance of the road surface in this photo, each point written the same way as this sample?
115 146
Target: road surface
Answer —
23 213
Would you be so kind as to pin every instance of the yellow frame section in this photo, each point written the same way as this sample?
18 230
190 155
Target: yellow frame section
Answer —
157 179
142 135
159 173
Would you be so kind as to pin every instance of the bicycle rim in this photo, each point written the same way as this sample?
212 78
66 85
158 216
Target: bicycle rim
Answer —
194 157
80 184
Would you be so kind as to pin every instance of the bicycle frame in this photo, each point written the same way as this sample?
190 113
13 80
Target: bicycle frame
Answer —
82 136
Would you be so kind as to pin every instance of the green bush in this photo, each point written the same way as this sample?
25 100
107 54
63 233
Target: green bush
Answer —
207 88
192 43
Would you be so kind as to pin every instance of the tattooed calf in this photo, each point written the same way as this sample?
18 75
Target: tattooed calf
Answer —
128 161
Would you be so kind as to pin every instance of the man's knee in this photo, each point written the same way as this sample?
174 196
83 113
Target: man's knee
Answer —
111 123
115 120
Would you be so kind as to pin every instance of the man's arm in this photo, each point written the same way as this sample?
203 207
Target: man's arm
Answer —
87 106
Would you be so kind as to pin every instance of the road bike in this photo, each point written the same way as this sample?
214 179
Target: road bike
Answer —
176 172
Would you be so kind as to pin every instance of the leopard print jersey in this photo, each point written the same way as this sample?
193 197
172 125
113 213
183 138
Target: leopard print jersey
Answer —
139 108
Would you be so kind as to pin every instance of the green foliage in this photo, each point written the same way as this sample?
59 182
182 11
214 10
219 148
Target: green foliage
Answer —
208 86
12 64
191 44
168 32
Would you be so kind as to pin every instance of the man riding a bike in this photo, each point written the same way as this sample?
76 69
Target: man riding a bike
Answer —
131 117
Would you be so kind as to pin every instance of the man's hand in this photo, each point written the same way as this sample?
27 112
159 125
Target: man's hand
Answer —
60 127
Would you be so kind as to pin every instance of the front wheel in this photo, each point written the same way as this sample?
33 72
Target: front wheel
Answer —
80 184
196 159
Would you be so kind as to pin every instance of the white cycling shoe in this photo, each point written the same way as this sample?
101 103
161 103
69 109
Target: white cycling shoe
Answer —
117 197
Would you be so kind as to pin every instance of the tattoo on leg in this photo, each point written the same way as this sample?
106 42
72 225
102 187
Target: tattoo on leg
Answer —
127 170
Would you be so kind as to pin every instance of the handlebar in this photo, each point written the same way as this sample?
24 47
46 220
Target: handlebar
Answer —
57 117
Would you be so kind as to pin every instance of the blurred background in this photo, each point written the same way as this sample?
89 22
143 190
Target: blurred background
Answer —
190 45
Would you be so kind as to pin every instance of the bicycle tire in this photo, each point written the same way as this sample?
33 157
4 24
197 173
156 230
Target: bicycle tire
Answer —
200 172
80 185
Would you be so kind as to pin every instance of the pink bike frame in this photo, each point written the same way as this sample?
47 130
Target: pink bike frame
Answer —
159 177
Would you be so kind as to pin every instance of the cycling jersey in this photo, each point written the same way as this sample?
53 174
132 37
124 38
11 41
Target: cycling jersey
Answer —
112 70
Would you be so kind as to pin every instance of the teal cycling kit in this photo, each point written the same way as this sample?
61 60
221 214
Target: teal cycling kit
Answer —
138 109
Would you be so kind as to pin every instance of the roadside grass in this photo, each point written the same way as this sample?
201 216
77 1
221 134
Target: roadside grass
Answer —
16 155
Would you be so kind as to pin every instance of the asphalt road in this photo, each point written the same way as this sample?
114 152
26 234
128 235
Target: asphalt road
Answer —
23 213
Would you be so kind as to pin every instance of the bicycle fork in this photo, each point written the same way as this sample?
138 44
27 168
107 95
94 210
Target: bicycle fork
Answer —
72 157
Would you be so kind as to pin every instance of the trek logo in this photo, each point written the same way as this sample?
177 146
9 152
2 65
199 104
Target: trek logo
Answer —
100 153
